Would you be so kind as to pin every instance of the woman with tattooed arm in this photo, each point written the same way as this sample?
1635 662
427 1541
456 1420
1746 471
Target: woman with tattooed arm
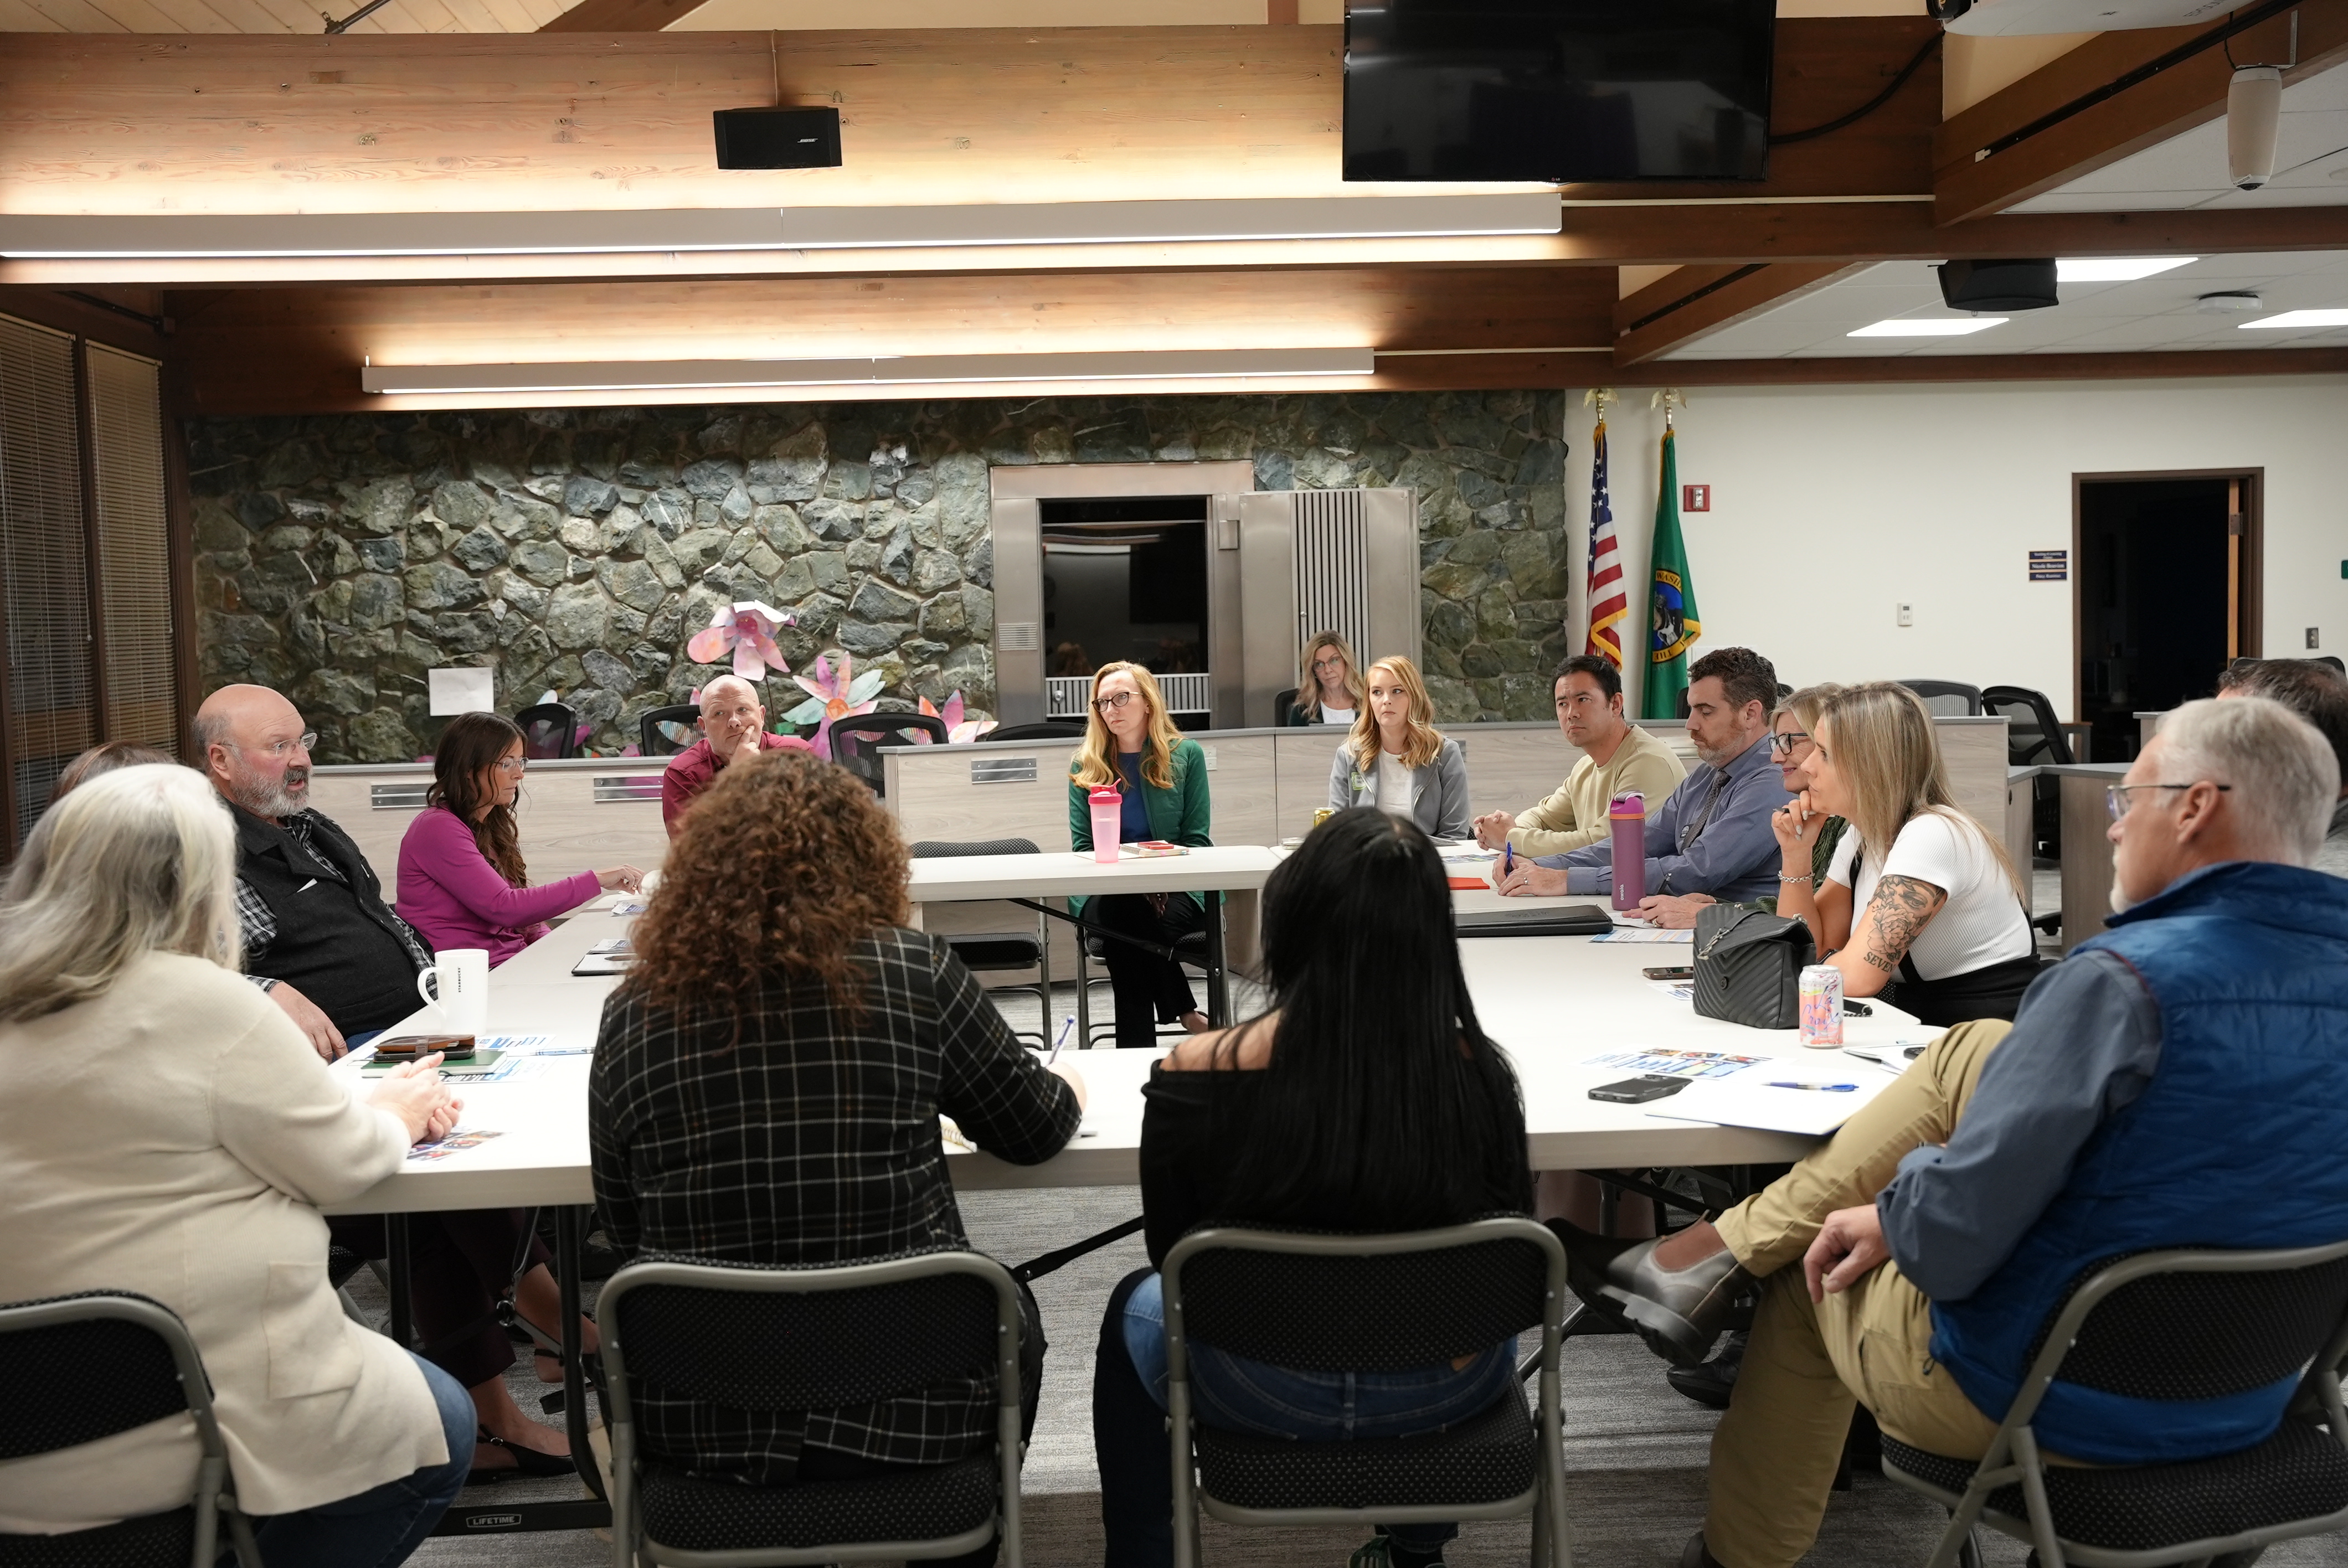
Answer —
1919 904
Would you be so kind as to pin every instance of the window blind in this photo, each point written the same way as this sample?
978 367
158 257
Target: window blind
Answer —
44 543
133 576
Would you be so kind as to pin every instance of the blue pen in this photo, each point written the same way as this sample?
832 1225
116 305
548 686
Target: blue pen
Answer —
1065 1027
1823 1088
1508 859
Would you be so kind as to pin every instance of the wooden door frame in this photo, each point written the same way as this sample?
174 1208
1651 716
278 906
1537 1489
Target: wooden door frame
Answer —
2251 598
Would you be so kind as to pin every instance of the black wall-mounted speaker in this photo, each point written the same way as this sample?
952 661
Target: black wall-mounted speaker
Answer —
777 139
2010 285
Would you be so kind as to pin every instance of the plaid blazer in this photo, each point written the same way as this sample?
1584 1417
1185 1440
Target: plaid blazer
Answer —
813 1141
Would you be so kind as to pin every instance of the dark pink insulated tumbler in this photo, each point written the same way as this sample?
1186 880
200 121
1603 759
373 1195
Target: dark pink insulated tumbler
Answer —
1627 815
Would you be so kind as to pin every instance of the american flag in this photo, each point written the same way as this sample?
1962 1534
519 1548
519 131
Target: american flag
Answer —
1608 603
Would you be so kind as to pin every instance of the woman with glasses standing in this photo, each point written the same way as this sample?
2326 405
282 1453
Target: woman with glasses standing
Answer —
462 883
1132 747
1329 688
1918 897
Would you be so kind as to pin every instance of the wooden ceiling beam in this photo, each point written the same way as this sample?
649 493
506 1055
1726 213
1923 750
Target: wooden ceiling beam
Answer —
1695 301
2051 127
621 15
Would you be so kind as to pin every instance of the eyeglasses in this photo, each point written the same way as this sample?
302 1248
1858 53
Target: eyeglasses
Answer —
1115 701
1782 743
516 766
2116 797
1332 662
277 751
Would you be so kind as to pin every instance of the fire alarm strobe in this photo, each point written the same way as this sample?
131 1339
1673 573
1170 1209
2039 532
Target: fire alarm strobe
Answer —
778 137
1696 497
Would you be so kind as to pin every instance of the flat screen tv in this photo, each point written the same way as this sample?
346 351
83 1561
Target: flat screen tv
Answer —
1558 91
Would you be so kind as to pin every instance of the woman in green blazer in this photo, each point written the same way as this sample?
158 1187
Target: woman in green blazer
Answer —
1132 746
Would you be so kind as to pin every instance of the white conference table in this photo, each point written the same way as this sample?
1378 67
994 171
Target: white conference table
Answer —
1551 1002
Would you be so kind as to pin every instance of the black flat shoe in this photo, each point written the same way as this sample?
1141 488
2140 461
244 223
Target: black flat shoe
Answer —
526 1461
1710 1384
1678 1312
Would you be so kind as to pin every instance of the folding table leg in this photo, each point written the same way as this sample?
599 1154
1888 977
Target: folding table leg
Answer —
575 1353
396 1262
1219 994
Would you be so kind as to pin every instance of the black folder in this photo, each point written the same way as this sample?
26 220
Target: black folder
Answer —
1538 920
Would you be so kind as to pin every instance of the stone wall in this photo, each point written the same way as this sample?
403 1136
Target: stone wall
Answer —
338 558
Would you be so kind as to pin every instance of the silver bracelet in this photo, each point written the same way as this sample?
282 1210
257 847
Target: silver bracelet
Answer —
1813 876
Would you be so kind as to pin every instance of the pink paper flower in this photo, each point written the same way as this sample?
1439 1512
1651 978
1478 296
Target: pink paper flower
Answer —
836 693
749 628
959 730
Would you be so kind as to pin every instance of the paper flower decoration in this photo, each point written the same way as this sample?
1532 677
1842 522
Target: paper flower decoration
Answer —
837 692
959 730
748 628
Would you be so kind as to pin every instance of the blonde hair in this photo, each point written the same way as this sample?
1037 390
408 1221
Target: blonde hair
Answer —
1307 682
1805 704
137 861
1096 761
1422 742
1880 735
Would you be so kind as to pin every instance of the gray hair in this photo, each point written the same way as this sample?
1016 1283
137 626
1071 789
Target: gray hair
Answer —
2281 772
134 862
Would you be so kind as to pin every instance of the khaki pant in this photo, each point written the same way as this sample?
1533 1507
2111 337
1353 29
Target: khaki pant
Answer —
1775 1452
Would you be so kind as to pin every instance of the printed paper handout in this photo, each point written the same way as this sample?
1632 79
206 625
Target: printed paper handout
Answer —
1673 1063
455 1142
1643 934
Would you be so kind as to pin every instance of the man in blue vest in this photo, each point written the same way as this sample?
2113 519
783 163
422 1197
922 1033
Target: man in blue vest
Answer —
2179 1081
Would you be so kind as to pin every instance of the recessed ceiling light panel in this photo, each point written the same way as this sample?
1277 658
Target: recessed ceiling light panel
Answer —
2300 321
2115 269
1929 326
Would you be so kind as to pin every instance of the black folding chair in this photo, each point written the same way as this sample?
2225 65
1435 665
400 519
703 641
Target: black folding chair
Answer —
80 1367
2172 1326
1193 949
1948 699
665 732
810 1338
856 742
1001 952
1371 1302
550 731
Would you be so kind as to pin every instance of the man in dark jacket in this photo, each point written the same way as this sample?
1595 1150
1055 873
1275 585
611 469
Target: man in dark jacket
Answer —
318 936
2179 1081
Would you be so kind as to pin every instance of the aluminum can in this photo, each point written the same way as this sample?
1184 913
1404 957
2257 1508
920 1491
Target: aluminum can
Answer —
1821 992
1322 813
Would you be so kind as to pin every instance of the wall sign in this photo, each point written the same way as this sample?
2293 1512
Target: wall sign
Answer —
1696 497
2050 566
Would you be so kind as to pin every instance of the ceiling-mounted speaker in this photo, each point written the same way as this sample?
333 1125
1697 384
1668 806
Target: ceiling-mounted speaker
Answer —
2253 125
778 137
2026 284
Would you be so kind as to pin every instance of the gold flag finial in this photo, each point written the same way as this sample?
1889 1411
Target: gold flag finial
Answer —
1600 398
1670 399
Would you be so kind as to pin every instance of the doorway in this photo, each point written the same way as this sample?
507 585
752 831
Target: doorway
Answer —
1125 578
2164 593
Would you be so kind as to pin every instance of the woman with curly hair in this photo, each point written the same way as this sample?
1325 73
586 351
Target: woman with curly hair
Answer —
462 883
767 1089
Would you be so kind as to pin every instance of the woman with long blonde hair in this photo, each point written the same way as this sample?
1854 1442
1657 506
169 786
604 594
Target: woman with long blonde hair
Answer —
1132 747
1918 897
1328 685
1396 760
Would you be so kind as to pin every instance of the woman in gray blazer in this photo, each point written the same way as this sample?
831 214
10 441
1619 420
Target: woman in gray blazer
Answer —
1395 759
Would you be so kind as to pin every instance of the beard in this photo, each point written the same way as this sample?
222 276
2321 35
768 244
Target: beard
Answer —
285 795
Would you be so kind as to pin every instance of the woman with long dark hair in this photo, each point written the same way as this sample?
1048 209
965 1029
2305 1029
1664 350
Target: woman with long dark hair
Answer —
1368 1098
462 883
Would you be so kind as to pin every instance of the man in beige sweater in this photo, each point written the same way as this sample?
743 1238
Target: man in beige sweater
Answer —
1617 757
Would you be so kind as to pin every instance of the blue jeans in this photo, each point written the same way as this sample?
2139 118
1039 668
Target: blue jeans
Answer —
1233 1393
380 1527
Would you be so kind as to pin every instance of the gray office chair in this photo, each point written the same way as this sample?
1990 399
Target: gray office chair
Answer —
810 1339
998 952
1948 699
1362 1303
84 1367
2182 1325
665 732
2034 738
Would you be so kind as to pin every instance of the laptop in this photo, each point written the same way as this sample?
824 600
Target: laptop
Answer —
1537 920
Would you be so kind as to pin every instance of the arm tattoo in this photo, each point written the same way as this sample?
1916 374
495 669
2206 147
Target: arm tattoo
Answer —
1903 907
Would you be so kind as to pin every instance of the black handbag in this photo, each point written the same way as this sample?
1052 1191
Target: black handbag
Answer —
1748 965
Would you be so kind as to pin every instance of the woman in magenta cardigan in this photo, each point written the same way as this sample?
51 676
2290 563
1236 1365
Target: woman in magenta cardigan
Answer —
461 880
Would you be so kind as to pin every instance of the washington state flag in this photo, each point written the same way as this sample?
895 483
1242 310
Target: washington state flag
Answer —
1672 617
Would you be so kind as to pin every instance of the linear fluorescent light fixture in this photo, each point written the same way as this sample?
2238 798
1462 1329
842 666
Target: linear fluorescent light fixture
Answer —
2115 269
679 375
2299 320
185 236
1929 326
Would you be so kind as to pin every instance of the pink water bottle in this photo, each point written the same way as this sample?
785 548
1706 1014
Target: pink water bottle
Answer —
1109 817
1627 815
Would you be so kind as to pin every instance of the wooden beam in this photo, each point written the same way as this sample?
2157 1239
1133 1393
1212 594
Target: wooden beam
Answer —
2051 127
1478 372
621 15
1658 318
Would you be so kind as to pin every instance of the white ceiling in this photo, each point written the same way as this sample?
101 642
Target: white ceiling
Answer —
2155 313
2190 170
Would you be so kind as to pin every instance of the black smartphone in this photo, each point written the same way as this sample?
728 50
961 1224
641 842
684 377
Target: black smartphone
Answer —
1683 972
1639 1091
1855 1009
414 1047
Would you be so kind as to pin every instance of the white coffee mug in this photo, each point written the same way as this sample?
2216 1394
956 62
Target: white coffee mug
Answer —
462 976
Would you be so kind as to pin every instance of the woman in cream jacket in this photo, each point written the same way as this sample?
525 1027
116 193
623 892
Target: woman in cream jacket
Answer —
168 1132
